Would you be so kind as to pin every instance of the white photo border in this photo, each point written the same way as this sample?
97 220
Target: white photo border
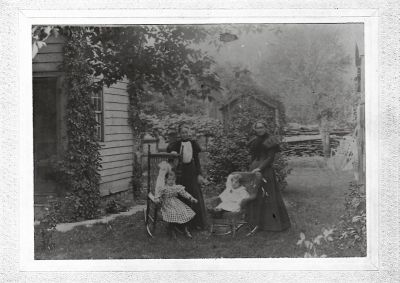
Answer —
27 18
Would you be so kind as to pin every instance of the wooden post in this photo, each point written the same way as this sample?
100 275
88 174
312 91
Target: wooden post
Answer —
360 88
361 144
148 169
325 136
277 123
326 146
148 185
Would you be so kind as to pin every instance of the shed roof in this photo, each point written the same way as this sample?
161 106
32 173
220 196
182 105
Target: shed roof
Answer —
234 99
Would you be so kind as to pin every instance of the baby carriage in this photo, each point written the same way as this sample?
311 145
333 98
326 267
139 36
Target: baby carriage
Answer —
151 212
231 222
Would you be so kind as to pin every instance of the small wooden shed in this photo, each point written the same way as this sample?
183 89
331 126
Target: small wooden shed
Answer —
271 109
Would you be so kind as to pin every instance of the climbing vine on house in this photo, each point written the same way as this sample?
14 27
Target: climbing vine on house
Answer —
81 164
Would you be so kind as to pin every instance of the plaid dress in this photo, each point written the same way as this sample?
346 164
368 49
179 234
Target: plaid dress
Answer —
172 209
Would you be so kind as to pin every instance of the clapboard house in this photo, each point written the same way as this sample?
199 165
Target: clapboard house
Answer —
49 133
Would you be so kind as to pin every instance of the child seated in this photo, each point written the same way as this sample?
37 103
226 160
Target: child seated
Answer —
232 197
173 210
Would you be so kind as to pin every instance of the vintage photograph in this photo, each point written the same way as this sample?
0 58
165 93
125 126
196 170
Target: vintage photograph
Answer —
185 141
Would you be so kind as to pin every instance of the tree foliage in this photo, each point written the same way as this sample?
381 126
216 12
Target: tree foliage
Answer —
160 58
39 37
309 68
166 126
180 102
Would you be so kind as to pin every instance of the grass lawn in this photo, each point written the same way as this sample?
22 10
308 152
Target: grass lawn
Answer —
314 197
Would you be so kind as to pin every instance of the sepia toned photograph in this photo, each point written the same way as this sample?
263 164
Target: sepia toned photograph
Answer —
199 141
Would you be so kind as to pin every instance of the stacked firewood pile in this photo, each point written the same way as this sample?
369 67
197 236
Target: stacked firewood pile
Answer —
306 141
301 132
308 147
312 131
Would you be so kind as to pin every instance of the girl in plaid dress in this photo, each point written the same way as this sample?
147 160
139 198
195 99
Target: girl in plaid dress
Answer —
173 210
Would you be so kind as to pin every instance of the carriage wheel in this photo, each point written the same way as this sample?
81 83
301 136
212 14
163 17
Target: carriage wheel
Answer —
146 222
216 227
150 220
149 230
243 227
239 226
252 232
145 215
151 226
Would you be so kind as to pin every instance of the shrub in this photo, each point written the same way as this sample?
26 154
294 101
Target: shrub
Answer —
167 124
57 211
44 231
352 228
71 208
136 180
349 236
315 247
114 206
229 151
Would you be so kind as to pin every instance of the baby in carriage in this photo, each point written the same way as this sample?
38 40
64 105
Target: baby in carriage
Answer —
232 198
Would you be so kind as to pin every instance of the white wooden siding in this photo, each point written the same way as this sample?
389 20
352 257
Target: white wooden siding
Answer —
49 58
118 148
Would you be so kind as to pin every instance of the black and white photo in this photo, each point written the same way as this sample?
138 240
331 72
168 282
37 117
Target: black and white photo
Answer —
199 141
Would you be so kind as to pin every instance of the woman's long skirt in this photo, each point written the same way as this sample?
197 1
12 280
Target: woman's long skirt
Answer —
268 211
188 179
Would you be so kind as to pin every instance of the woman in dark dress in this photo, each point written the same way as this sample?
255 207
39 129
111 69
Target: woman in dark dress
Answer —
191 175
267 212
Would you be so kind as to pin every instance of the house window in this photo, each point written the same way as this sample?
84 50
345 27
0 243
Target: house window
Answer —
97 102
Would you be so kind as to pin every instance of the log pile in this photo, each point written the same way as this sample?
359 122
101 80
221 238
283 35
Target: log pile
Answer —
310 132
301 132
305 140
311 147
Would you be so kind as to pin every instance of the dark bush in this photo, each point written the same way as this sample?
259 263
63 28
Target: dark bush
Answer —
229 151
352 230
136 181
114 206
